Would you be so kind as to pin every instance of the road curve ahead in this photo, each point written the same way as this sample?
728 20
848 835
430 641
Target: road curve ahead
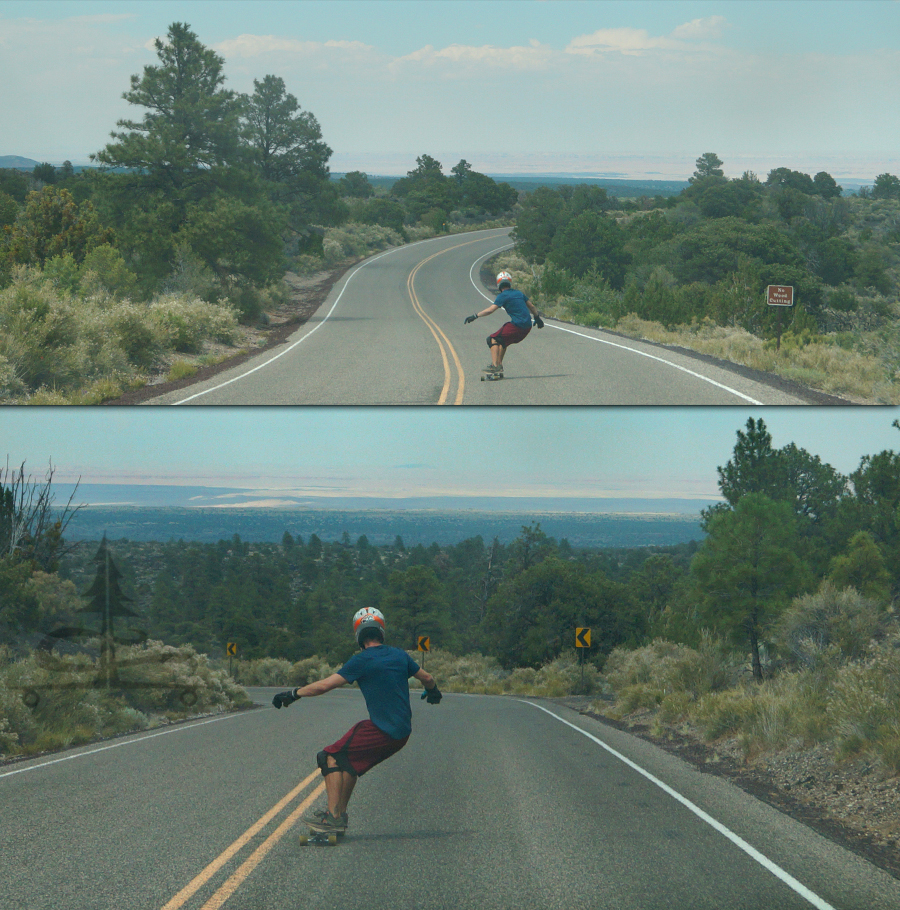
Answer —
392 332
494 804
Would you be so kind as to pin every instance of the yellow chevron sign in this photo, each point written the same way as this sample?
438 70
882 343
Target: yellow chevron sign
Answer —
582 638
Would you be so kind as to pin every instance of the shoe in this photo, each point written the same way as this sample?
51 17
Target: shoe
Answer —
490 368
323 820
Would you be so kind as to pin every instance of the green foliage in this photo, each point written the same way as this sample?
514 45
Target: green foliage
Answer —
356 184
533 615
591 241
708 165
285 141
14 183
54 224
9 210
887 186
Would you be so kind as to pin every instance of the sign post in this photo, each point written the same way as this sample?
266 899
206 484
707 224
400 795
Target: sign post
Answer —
231 651
779 295
582 640
423 644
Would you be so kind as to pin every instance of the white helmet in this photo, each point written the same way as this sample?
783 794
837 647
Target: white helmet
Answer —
504 277
366 619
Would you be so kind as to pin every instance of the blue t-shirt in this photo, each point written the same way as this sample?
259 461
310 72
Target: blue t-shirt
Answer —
383 673
514 304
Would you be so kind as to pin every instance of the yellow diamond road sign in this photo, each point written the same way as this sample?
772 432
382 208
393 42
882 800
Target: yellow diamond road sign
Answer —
424 643
231 649
582 638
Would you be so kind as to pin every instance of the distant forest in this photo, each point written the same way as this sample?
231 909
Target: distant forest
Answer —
380 527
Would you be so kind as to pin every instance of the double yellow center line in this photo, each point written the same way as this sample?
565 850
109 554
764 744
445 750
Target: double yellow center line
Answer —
443 342
237 878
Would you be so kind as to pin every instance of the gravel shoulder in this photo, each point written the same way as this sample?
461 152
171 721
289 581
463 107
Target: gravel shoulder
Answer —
850 802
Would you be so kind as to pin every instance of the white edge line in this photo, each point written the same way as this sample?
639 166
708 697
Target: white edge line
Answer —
127 742
738 841
622 347
291 347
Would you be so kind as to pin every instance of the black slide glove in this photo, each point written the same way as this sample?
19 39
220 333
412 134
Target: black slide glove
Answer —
471 318
433 695
283 699
539 322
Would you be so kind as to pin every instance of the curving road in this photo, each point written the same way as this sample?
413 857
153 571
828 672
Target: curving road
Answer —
495 804
391 333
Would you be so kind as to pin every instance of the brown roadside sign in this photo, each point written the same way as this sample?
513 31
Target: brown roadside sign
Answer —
780 295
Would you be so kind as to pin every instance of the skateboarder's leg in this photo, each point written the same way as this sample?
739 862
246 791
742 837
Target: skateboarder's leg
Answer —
339 788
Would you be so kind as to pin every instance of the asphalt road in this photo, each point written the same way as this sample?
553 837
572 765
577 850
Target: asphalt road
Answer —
391 332
494 804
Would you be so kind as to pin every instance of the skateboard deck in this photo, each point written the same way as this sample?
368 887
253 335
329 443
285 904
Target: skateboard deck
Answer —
489 376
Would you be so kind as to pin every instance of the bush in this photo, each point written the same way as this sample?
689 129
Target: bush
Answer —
185 322
357 241
829 618
645 676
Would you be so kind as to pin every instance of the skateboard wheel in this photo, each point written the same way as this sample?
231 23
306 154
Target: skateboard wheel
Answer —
332 840
304 840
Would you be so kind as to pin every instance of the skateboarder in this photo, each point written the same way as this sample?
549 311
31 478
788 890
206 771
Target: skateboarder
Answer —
520 311
382 673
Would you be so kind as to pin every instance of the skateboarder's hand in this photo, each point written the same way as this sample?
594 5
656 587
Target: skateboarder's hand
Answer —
471 318
539 322
433 695
283 699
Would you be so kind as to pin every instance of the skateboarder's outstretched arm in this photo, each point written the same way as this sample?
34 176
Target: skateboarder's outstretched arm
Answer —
490 308
320 687
432 692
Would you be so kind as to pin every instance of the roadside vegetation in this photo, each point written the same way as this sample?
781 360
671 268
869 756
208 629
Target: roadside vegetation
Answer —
176 244
691 270
779 629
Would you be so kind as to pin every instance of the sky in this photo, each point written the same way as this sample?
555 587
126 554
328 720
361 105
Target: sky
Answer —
397 452
633 89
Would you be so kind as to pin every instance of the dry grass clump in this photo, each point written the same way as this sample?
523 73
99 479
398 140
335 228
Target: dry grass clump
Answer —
816 364
838 683
276 671
667 677
480 675
49 701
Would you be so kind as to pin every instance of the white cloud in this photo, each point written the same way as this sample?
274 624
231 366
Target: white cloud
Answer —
700 29
536 56
260 45
633 41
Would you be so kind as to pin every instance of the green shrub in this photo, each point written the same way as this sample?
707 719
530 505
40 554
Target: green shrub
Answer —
186 322
830 617
49 701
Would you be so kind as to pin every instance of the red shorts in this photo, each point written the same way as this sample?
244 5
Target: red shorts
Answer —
362 747
509 333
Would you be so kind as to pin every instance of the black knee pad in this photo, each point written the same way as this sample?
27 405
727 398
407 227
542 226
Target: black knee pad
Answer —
342 763
322 762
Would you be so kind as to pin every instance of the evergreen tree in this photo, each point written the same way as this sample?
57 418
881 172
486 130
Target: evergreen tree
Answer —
191 120
747 570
